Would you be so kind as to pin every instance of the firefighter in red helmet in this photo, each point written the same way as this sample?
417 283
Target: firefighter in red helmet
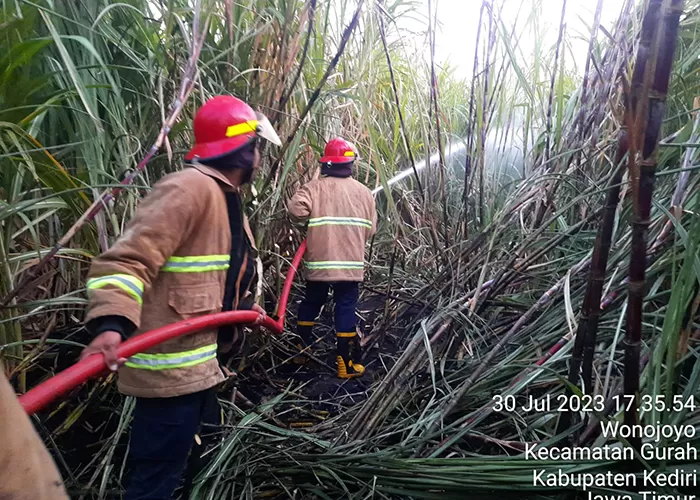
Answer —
340 215
187 252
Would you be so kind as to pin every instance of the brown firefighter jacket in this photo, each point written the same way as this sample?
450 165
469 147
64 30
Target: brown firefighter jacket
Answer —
170 264
27 471
341 217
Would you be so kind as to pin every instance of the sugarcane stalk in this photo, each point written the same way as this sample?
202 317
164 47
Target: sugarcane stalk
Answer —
590 310
660 26
553 80
681 185
286 95
344 39
587 70
599 266
186 86
434 99
594 429
550 189
484 120
470 121
500 79
402 125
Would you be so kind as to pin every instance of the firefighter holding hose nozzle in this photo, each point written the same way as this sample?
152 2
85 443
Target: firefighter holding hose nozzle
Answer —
341 216
187 252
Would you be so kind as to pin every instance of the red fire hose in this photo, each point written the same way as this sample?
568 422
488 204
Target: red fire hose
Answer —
93 366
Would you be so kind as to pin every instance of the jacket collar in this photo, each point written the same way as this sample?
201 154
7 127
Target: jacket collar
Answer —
214 173
227 186
337 170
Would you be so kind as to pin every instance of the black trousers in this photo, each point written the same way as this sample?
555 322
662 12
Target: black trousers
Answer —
345 295
162 435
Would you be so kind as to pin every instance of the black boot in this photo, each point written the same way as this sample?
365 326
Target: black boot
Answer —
348 365
305 333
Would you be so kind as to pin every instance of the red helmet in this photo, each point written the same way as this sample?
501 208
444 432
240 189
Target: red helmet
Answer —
338 150
224 124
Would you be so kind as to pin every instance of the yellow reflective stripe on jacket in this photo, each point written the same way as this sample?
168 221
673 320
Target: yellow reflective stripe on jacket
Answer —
173 360
242 128
340 221
130 284
196 264
335 264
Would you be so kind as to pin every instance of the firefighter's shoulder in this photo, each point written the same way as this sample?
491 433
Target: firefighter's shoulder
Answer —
187 179
361 187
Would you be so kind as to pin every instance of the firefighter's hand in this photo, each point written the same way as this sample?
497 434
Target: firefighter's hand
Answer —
261 312
106 343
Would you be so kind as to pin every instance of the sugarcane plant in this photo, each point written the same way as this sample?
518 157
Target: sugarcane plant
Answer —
584 340
650 82
445 327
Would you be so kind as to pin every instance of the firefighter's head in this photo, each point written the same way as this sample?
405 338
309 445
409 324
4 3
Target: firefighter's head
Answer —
338 158
226 132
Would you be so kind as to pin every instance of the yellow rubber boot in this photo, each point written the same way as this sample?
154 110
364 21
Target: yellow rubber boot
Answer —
347 368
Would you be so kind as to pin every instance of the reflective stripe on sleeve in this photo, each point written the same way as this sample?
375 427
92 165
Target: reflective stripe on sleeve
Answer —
340 221
196 264
335 264
130 284
173 360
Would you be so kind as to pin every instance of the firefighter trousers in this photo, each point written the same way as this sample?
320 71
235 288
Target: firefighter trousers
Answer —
162 435
345 295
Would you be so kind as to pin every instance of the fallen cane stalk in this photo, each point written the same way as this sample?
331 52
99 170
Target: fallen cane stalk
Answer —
400 384
485 410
